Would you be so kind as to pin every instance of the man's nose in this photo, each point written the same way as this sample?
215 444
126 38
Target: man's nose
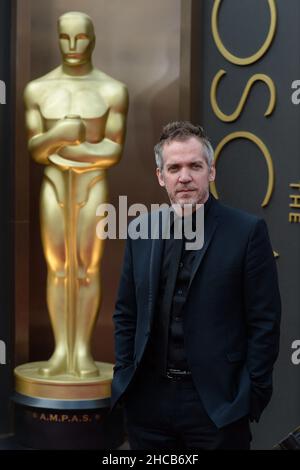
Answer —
185 176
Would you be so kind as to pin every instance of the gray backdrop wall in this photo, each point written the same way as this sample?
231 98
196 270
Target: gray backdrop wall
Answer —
242 175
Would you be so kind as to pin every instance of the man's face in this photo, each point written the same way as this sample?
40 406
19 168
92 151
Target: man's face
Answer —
185 174
76 40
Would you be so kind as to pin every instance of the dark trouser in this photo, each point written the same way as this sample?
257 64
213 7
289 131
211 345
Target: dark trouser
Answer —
164 413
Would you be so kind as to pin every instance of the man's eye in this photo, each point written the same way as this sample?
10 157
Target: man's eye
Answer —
64 36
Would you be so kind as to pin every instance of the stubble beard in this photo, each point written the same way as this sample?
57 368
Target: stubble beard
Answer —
191 202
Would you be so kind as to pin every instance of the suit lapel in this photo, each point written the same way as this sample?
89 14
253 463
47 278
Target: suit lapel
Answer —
210 225
159 220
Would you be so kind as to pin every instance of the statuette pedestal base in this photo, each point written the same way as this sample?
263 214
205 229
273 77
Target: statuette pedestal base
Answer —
64 412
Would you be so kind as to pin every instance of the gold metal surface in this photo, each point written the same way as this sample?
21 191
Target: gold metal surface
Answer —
76 118
236 114
28 381
267 156
263 49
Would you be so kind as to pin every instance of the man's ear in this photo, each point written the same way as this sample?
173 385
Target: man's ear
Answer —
212 173
160 177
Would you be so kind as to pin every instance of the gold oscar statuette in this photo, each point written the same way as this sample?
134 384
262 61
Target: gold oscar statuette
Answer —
76 120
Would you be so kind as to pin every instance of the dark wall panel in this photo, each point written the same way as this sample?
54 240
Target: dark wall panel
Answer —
242 174
6 207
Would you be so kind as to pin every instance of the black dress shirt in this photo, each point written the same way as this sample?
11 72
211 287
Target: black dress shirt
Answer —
166 348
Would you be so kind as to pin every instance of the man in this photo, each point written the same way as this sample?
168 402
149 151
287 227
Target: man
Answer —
76 119
196 332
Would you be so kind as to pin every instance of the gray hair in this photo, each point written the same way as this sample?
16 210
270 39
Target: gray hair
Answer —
181 131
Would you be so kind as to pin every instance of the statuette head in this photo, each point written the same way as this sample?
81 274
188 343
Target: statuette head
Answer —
76 38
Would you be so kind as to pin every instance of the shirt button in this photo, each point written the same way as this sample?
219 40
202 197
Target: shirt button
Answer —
177 318
181 265
179 291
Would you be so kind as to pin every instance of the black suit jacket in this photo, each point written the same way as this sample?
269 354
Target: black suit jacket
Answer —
232 314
